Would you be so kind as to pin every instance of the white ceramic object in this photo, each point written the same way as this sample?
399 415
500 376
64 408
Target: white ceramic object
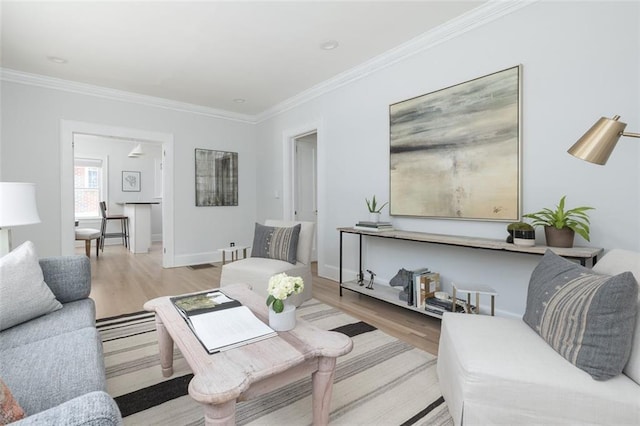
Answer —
524 242
283 321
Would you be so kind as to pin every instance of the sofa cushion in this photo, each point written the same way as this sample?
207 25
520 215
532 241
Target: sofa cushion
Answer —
10 410
68 277
614 262
587 318
48 372
276 243
72 316
91 409
23 293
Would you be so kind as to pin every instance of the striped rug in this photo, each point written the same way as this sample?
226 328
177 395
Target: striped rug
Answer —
383 381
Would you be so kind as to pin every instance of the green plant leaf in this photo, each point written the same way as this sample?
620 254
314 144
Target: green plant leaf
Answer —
575 218
278 306
373 205
270 300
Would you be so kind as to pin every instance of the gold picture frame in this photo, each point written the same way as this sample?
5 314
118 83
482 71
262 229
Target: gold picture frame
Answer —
456 153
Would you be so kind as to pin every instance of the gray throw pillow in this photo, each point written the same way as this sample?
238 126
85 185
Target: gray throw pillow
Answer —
276 243
23 293
586 317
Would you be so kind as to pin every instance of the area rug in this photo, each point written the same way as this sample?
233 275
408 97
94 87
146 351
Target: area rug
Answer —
383 381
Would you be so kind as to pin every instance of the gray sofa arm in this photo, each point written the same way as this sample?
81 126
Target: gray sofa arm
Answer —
69 277
94 408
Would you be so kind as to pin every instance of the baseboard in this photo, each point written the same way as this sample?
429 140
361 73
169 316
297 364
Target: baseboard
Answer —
197 258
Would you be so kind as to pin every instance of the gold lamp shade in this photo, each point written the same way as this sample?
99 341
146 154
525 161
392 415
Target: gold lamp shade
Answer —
596 145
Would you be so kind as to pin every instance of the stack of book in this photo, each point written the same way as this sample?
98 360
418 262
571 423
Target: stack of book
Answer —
439 306
374 226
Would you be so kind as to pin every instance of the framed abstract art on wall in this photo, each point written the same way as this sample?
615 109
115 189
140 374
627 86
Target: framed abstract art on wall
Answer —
216 178
455 153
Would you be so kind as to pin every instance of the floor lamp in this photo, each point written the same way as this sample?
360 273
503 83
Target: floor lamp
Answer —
597 144
17 207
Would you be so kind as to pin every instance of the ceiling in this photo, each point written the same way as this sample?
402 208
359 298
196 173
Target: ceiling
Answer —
238 56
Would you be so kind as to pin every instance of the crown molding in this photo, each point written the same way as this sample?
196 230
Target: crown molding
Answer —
487 12
477 17
13 76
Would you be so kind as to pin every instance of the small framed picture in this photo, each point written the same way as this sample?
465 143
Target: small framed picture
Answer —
130 181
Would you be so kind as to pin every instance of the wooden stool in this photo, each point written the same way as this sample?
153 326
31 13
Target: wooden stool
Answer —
88 234
478 289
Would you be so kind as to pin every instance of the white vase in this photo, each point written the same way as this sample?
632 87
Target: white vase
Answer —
374 217
283 321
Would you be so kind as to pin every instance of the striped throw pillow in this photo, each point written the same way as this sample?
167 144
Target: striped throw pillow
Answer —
276 243
586 317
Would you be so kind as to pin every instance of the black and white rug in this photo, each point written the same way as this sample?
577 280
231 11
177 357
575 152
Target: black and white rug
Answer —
383 381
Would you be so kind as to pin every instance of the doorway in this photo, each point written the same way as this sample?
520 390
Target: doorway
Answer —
305 182
99 165
68 130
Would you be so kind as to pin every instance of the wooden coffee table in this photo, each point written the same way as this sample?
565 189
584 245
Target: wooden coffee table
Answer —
249 371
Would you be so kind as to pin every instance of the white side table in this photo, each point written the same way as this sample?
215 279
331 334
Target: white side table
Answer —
234 252
478 289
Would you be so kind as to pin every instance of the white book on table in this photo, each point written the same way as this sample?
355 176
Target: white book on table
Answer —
221 323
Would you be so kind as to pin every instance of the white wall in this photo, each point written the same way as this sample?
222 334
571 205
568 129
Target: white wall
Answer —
30 133
581 61
114 152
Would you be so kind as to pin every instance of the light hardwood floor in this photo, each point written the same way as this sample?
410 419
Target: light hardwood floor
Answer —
122 282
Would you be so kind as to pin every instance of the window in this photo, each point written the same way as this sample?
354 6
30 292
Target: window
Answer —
88 185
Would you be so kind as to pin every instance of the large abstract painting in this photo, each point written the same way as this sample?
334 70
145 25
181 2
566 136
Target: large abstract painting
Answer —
216 178
455 153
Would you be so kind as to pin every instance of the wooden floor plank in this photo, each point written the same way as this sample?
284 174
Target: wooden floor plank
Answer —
122 282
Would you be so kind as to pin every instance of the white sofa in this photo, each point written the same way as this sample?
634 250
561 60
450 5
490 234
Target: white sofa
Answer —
496 370
256 271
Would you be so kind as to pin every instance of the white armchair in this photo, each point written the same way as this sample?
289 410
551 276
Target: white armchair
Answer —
499 371
256 271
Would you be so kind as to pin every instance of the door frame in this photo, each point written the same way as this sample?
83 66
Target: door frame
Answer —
67 130
288 175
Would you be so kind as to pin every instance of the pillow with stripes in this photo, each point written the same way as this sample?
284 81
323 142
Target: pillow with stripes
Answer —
587 318
276 243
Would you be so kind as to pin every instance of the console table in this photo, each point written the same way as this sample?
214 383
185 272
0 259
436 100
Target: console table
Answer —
587 256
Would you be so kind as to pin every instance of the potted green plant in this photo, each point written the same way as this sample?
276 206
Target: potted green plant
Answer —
560 225
521 234
374 209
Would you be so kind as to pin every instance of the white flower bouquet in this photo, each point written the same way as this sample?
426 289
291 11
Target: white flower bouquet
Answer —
280 287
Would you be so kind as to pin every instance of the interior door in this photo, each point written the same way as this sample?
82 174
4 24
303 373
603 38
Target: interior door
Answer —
306 206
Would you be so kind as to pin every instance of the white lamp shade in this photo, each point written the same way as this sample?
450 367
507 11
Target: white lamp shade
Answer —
136 151
18 204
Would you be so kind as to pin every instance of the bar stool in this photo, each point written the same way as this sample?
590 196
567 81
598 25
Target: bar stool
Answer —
124 226
86 235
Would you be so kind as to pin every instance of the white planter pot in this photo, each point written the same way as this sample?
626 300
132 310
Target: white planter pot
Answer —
283 321
374 217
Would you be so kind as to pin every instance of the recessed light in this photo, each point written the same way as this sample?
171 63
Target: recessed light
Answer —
57 59
329 45
239 100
